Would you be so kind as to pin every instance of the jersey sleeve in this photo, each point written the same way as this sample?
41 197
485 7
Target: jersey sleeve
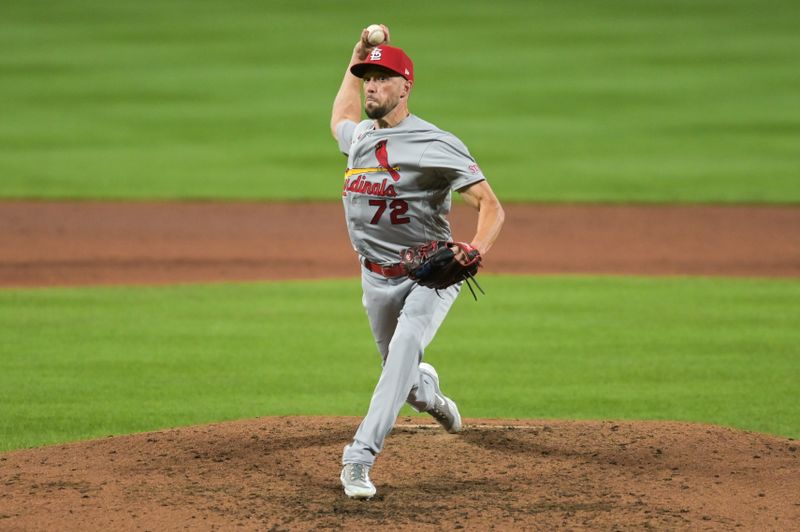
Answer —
344 135
451 159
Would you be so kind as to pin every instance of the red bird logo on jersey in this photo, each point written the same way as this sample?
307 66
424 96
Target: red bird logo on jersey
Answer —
382 154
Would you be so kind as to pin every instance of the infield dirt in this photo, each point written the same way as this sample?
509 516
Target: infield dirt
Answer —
79 243
282 473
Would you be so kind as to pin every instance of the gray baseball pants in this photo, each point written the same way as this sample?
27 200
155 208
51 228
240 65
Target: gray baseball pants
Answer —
404 318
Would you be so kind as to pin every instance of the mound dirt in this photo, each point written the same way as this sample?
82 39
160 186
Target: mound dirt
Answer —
282 474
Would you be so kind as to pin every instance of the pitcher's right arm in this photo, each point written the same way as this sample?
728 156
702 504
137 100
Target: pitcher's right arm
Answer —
347 104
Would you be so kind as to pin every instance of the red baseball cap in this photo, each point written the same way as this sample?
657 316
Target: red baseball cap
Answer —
388 57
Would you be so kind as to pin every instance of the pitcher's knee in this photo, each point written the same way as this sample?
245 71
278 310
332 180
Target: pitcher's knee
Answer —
406 344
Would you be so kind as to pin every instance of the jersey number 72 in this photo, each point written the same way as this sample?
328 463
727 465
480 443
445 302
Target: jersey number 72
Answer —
398 208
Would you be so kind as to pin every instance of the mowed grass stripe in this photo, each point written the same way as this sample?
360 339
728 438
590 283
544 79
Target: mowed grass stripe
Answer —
87 362
688 101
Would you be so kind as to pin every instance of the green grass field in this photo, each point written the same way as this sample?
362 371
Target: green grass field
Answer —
664 100
621 101
89 362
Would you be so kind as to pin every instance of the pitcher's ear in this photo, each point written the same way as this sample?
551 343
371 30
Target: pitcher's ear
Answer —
407 86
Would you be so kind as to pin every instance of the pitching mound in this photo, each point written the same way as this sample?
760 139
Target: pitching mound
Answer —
282 473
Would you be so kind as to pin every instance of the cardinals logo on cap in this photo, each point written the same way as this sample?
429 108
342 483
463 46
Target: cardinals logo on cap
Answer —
390 58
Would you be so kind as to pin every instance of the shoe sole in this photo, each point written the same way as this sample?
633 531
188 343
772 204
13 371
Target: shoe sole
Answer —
357 494
431 371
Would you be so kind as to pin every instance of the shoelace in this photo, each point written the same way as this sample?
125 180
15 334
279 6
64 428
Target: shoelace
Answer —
357 472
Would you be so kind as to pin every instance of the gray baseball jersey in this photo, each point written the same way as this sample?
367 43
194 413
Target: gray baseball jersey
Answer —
398 184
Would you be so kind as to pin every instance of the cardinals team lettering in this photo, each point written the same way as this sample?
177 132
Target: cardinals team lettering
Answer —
360 185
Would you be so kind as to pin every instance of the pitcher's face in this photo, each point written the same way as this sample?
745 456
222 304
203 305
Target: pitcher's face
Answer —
383 91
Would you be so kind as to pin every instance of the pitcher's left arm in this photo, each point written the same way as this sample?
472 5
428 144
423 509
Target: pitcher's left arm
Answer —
491 217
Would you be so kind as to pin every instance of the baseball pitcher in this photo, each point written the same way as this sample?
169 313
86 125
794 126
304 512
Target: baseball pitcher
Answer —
396 195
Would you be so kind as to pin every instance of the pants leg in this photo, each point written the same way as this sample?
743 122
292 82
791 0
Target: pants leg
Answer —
404 318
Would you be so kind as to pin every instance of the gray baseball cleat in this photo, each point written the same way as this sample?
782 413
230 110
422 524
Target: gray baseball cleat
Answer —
444 409
356 482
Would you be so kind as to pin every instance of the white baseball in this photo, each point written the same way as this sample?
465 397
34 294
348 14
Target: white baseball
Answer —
375 34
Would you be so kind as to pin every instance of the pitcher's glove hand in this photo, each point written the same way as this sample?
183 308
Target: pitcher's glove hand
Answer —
434 264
